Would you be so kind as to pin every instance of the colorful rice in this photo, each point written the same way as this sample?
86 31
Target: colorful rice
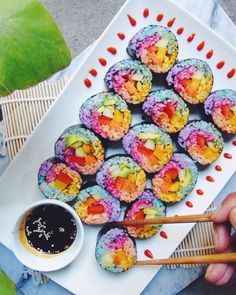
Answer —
58 181
80 149
192 79
149 146
107 114
122 178
115 250
176 179
94 205
130 79
156 47
145 207
167 110
202 141
221 105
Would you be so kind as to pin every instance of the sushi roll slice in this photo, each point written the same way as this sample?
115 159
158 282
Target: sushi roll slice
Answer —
80 149
58 181
94 205
130 79
149 146
192 79
202 141
156 47
145 207
115 250
167 110
221 105
122 178
176 179
107 114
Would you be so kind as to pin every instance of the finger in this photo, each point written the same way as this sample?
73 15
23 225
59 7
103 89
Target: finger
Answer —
232 218
219 274
222 214
221 236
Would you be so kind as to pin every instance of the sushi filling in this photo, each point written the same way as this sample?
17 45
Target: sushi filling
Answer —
176 179
107 115
167 110
192 79
94 205
202 141
149 146
221 105
116 251
122 178
131 80
156 47
58 181
147 206
81 150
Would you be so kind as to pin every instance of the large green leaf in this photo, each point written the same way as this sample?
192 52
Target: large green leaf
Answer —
31 45
7 287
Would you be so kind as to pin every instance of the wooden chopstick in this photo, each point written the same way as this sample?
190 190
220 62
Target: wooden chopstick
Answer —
202 259
165 220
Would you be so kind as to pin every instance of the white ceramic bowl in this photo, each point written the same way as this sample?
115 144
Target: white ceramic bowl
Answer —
47 262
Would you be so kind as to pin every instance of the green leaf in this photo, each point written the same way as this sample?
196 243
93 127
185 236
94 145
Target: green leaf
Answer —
7 287
31 45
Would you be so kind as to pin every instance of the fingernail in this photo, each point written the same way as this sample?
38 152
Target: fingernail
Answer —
233 217
209 270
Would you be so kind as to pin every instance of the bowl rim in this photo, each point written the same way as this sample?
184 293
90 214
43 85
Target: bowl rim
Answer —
75 250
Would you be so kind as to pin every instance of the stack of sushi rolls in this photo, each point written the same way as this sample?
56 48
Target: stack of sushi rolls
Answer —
145 207
122 178
149 146
156 47
94 205
115 249
131 79
107 114
176 179
192 79
167 110
221 106
58 181
202 141
81 149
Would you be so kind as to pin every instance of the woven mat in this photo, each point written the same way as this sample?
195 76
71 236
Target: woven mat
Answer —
23 110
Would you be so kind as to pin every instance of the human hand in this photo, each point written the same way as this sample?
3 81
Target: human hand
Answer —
224 218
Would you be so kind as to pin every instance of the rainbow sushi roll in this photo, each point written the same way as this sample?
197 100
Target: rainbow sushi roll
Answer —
202 141
167 110
176 179
192 79
145 207
107 114
58 181
94 205
115 250
130 79
149 146
221 105
156 47
80 149
122 178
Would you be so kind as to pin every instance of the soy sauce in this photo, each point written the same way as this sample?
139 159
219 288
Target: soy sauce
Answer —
50 229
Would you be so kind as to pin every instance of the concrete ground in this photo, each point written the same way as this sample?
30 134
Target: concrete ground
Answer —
81 23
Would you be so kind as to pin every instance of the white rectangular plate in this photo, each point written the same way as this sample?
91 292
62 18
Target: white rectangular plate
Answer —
19 183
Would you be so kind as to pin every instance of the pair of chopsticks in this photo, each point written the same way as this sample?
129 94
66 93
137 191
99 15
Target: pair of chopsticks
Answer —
202 259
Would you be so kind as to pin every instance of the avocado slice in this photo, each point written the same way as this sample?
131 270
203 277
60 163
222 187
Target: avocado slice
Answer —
71 139
148 135
109 102
101 109
76 144
185 177
121 172
150 211
79 152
